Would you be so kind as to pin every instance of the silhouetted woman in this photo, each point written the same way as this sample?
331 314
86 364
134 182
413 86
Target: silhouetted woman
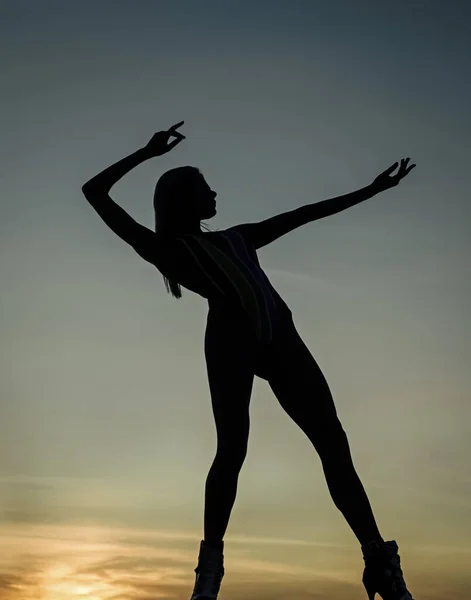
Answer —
250 331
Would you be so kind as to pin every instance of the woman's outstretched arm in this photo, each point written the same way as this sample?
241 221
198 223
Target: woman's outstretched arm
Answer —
263 233
105 180
96 191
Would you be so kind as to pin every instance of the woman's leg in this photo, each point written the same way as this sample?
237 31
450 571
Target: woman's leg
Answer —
300 387
230 375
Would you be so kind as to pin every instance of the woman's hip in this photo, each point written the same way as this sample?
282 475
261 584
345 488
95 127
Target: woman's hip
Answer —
231 339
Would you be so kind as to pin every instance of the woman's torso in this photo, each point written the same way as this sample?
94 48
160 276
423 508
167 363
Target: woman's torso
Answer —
223 267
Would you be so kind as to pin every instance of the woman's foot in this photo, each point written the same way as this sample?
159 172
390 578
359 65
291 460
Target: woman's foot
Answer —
209 572
383 574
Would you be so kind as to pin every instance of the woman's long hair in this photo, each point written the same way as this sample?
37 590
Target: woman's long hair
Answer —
170 191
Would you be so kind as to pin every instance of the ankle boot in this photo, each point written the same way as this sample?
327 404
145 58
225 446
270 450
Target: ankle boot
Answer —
209 572
383 573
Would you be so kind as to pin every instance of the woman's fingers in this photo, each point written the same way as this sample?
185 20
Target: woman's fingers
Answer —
390 169
177 134
405 170
172 129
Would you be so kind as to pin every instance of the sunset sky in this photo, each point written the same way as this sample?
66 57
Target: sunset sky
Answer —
106 427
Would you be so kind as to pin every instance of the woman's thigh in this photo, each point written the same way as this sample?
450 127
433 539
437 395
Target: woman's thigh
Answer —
298 382
230 359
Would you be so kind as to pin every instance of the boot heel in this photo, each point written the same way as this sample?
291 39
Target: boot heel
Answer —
370 587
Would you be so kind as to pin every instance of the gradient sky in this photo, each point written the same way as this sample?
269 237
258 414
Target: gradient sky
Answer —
106 429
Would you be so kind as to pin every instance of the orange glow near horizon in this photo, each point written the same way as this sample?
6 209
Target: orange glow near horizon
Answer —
70 562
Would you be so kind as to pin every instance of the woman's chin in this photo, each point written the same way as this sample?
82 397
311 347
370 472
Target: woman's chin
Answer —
210 213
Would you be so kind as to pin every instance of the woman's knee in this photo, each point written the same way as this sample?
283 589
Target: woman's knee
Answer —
231 455
330 439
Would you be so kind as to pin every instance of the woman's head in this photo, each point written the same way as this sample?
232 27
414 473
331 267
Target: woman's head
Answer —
182 198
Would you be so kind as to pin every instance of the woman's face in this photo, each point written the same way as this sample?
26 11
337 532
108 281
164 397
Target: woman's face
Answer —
203 198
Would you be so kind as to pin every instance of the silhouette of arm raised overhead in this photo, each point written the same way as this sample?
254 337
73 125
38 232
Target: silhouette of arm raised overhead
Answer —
96 191
264 232
142 239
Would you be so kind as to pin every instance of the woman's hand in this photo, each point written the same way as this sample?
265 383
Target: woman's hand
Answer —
385 180
159 145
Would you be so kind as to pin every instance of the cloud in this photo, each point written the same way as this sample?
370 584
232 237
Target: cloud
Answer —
110 563
294 276
60 562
